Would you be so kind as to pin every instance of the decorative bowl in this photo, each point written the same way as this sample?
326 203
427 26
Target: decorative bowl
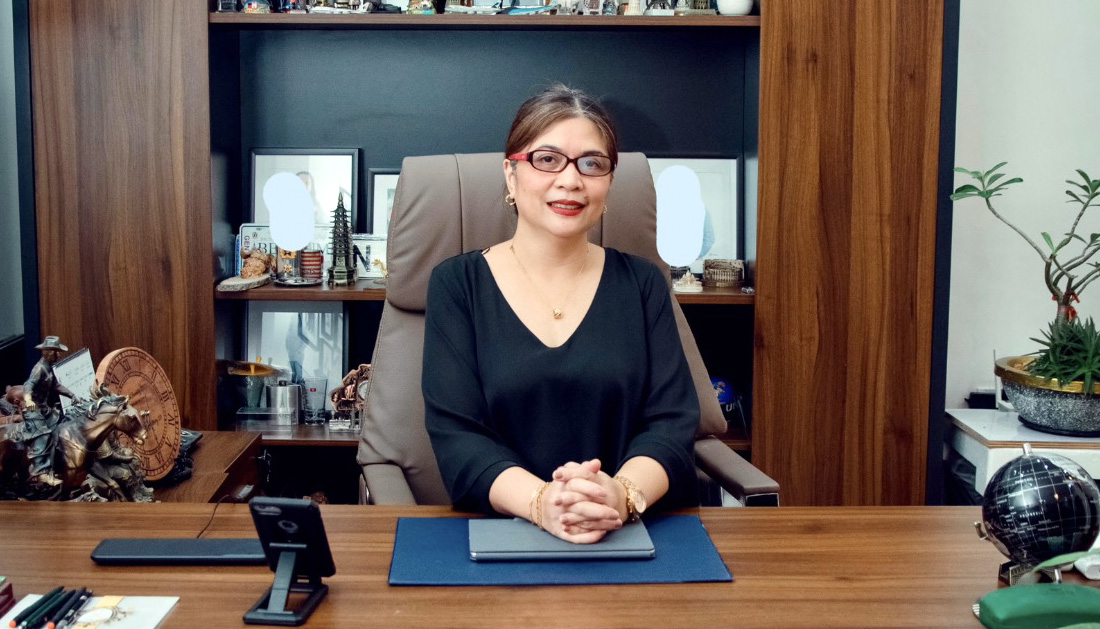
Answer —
1048 405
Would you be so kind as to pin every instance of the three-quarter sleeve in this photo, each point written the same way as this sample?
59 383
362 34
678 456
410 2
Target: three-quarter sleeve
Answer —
670 408
470 452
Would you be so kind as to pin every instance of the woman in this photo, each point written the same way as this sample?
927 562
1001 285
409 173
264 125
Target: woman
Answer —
560 390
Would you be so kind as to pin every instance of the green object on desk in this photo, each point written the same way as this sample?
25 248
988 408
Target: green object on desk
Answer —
1041 606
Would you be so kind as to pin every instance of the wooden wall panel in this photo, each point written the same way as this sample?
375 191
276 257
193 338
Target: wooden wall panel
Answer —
122 180
849 150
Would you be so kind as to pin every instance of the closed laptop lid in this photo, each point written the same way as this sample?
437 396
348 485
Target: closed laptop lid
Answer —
519 540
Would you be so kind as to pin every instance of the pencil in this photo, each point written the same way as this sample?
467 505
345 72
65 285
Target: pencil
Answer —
59 613
70 618
38 617
33 607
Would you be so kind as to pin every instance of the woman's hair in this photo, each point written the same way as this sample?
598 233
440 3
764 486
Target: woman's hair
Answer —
551 106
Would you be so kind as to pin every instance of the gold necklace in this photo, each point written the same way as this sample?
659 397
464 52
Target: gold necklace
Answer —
557 312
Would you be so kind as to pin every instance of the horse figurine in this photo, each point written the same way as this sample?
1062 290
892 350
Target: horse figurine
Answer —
82 431
85 428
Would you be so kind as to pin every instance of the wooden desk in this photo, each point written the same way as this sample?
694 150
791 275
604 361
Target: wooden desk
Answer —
815 567
225 464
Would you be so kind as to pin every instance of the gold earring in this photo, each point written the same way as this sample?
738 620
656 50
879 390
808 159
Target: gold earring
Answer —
605 209
510 200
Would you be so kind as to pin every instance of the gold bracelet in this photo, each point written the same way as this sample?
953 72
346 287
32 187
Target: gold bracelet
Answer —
536 505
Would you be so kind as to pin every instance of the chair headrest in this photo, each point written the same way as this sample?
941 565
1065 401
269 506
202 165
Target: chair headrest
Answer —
450 204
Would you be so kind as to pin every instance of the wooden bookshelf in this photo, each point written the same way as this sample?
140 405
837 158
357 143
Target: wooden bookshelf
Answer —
363 290
367 290
299 21
300 435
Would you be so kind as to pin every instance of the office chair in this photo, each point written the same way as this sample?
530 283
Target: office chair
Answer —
449 204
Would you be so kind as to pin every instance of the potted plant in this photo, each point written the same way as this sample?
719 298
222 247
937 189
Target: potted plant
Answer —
1056 389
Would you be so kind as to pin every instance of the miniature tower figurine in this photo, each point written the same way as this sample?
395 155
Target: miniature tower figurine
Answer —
342 271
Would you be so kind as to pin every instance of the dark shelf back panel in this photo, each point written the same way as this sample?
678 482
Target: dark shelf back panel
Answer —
672 93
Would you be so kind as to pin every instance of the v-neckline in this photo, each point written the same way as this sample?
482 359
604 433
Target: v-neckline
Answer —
515 316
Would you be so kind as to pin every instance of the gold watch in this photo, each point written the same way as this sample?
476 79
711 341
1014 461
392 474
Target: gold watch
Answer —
635 499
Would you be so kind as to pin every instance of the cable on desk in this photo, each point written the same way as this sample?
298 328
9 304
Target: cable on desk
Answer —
212 514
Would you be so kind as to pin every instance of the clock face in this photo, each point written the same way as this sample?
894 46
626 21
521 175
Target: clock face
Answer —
133 372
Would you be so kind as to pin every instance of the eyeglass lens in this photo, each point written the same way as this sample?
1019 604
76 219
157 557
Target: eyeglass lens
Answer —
555 162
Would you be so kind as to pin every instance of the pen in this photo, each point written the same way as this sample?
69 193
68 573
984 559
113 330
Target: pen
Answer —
33 607
38 617
70 618
62 609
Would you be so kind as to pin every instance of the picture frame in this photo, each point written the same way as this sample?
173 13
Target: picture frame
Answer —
311 334
381 190
372 248
327 172
718 184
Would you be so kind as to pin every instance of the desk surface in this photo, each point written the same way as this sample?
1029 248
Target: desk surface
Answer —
793 567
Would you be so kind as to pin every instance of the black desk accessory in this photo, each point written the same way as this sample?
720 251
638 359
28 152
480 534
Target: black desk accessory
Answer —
294 540
131 551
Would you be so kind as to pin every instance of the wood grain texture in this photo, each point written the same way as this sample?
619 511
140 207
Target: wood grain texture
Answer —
225 461
122 184
850 99
793 568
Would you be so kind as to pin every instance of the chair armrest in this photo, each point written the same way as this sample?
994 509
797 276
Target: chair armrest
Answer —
736 475
384 484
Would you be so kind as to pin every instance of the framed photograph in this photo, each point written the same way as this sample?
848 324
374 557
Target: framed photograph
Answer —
325 173
308 338
373 250
381 188
718 184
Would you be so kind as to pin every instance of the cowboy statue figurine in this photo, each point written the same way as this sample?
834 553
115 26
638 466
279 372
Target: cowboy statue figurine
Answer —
42 412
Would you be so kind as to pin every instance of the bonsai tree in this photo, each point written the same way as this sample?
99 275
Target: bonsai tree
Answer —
1068 266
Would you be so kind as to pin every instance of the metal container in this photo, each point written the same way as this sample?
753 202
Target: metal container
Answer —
285 399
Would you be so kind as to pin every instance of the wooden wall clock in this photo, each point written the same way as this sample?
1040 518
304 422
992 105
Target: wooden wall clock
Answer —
133 372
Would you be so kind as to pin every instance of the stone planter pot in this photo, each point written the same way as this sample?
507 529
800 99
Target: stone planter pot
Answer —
1046 405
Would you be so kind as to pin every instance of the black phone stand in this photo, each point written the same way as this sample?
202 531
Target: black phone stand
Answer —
271 608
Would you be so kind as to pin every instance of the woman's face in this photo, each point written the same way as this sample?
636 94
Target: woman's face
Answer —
560 204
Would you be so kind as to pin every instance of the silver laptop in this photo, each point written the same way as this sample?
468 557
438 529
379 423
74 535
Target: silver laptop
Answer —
519 540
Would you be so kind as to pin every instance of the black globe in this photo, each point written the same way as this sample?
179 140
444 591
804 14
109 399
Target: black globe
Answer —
1037 507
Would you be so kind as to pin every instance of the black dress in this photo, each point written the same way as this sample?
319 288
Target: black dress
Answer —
495 396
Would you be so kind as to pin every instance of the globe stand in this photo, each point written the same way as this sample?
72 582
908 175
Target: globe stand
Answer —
1011 573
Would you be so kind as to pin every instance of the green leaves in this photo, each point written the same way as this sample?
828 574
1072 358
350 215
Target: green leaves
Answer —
986 179
1071 352
1087 190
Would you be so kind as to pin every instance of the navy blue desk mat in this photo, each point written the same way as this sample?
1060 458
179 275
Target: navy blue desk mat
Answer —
436 551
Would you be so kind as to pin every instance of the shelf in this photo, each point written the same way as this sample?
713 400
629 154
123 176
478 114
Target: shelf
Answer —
367 290
364 290
476 22
303 435
728 296
737 439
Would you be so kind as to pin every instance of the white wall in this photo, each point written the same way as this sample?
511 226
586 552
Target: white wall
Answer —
11 281
1028 94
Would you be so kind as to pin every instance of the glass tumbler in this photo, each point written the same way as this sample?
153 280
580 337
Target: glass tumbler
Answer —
313 406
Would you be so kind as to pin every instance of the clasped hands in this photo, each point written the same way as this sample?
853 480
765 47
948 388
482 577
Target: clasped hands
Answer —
583 503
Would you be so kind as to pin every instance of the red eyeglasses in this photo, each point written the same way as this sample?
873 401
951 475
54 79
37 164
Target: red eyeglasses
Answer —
554 162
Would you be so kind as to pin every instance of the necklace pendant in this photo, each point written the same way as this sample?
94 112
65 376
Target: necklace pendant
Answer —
557 313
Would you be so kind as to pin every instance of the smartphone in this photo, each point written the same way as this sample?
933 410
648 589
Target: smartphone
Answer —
293 524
